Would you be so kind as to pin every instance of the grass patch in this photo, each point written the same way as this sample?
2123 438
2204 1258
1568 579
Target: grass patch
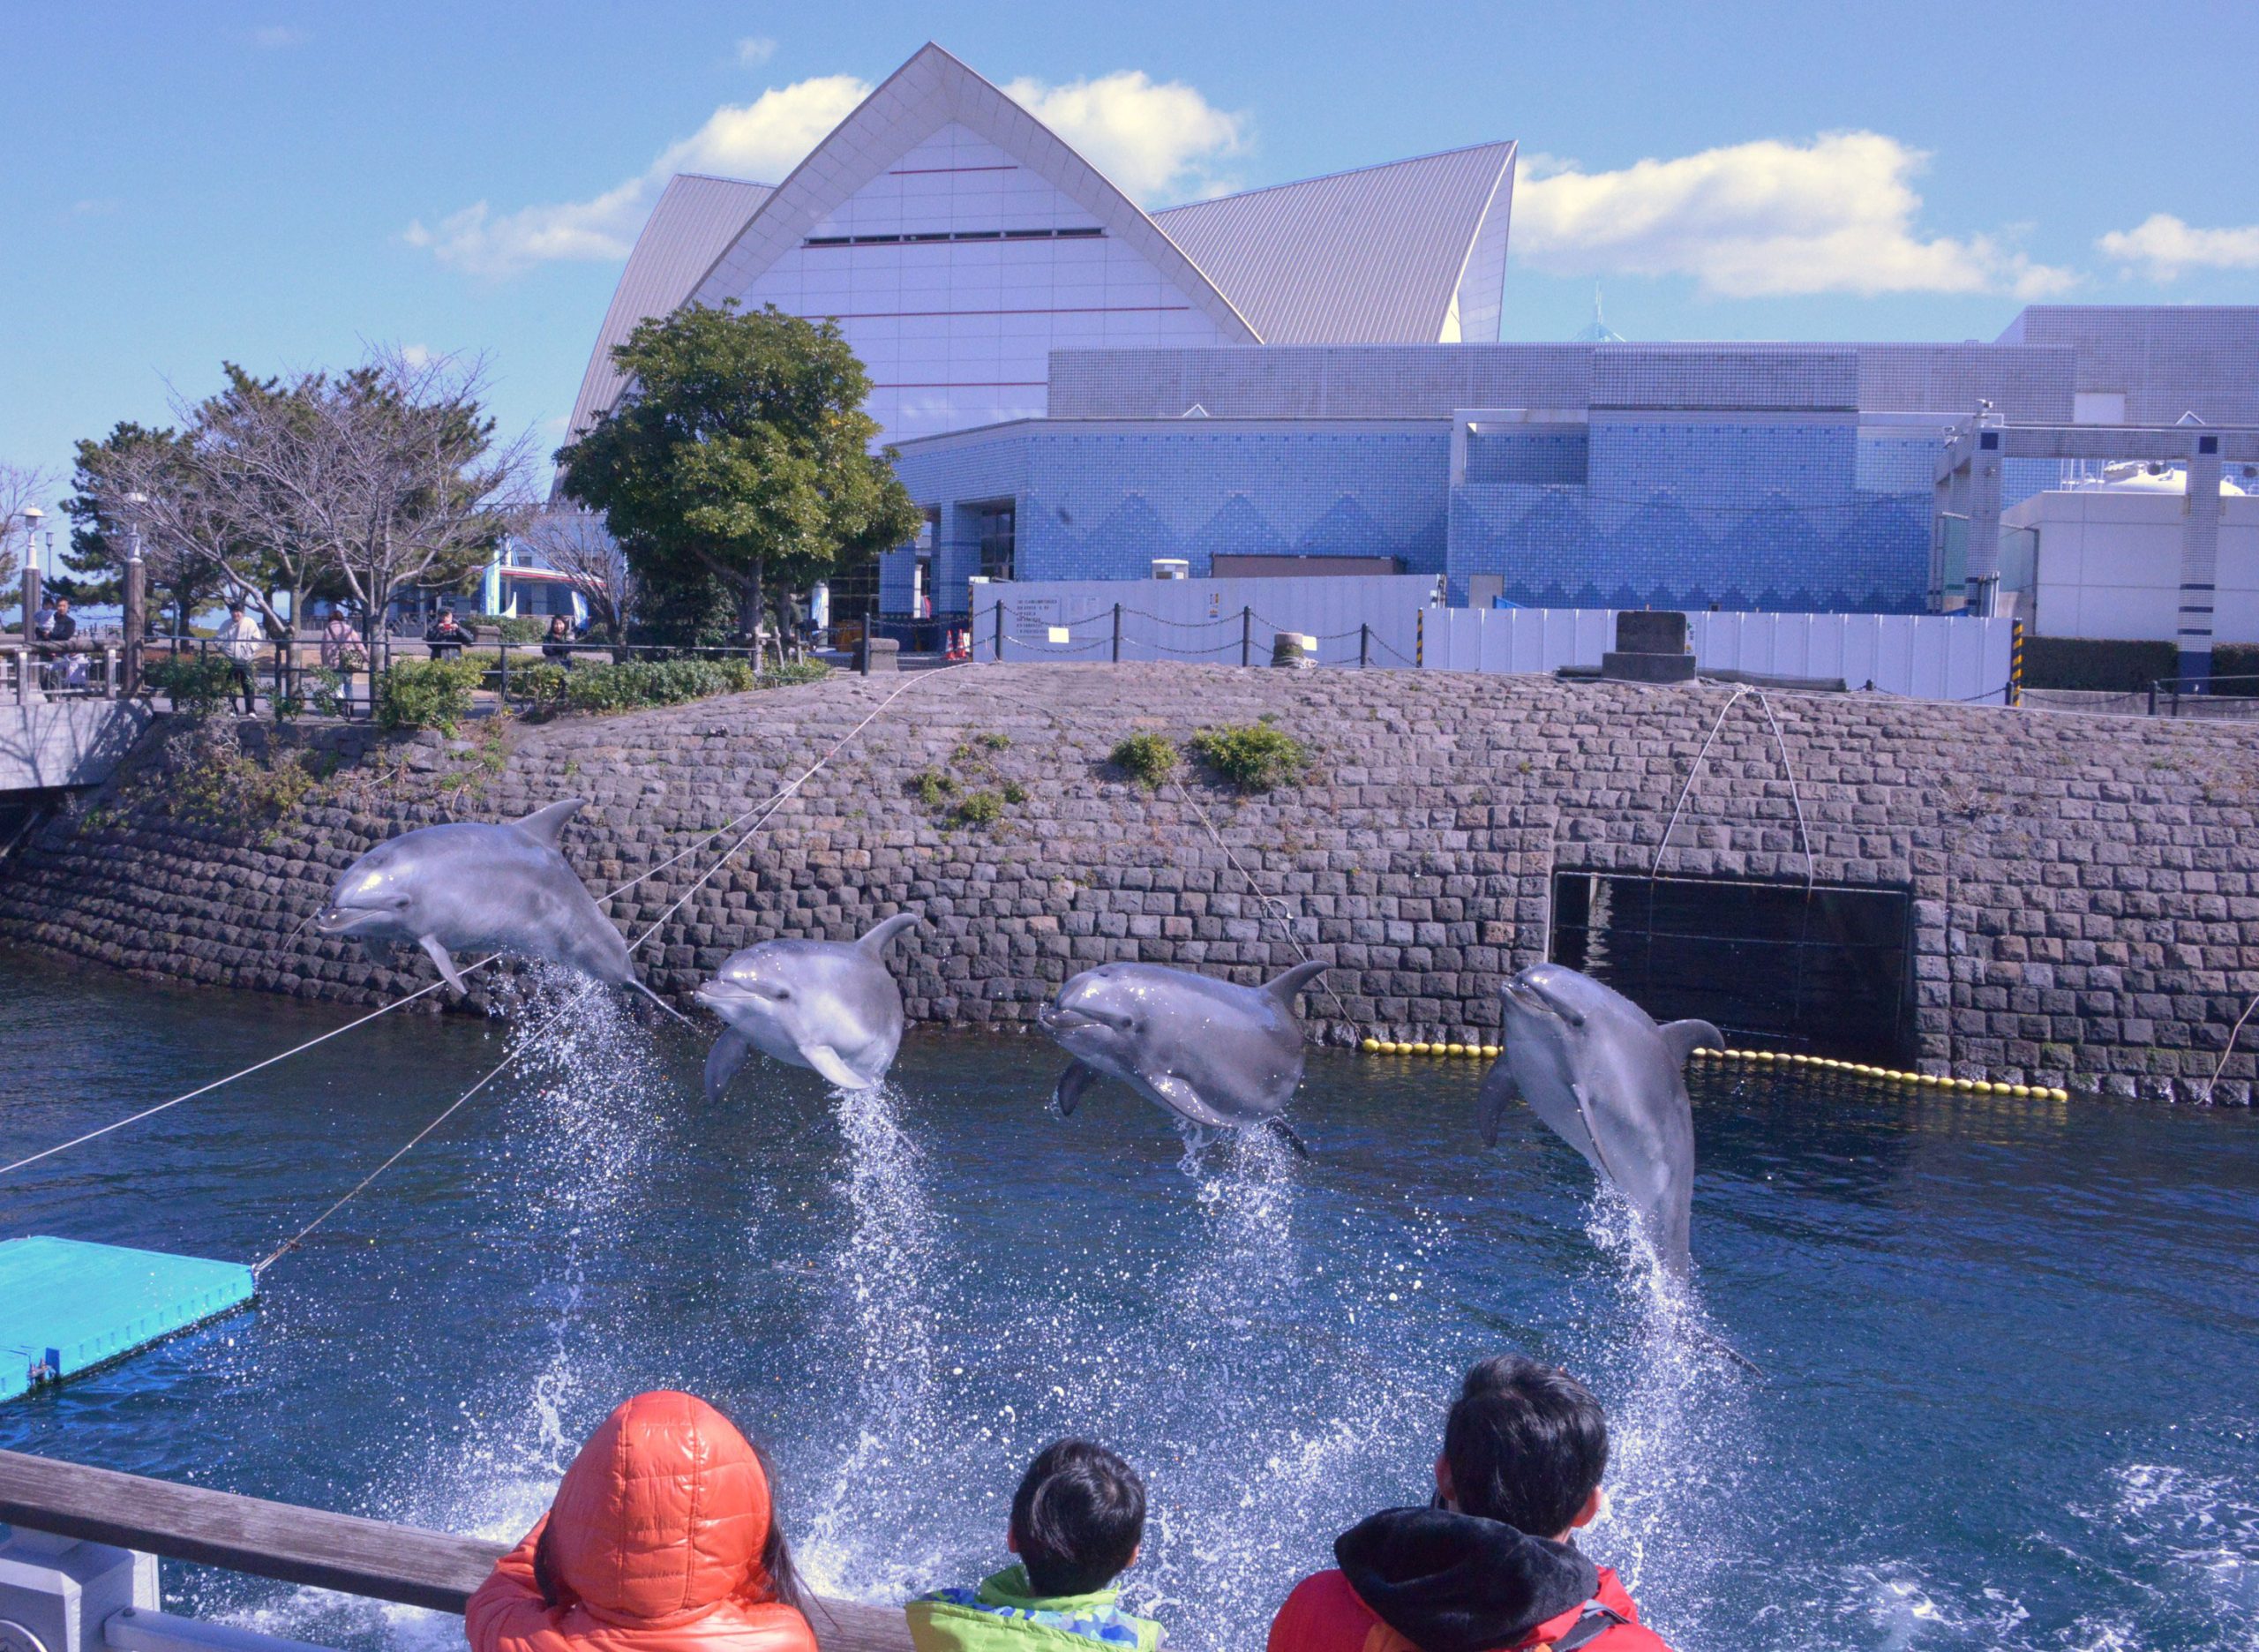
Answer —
1251 756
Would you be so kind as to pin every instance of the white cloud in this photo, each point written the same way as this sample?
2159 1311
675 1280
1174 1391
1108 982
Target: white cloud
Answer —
1765 220
279 37
755 49
2168 245
762 141
1153 140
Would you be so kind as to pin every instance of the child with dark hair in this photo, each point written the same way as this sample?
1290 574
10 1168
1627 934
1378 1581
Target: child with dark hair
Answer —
1077 1518
1492 1565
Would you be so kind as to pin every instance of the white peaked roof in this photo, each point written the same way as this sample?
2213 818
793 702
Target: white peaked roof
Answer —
694 220
1412 253
929 92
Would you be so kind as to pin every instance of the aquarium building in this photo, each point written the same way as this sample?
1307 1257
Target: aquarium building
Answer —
1307 378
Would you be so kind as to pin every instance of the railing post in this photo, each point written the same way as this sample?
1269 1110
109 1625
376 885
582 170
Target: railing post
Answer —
1117 633
1420 639
137 620
2152 696
999 630
1246 636
1364 646
2015 662
502 666
870 626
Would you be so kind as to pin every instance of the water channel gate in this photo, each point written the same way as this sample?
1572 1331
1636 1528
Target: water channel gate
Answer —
67 1305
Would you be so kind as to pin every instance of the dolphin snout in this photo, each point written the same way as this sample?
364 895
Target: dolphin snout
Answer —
337 920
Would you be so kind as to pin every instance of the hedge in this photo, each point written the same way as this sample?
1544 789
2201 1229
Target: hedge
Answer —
426 693
197 684
553 688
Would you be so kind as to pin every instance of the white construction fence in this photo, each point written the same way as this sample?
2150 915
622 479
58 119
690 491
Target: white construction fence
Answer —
1383 622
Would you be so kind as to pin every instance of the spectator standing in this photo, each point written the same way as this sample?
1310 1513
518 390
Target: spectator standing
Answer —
239 640
447 639
340 644
557 646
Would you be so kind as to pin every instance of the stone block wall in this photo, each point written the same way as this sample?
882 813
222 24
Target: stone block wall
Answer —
2083 888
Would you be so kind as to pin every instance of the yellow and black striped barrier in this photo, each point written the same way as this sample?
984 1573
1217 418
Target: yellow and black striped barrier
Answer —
1758 1058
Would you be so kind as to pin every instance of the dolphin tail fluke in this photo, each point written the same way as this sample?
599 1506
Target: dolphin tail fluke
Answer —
1682 1039
1499 1092
874 940
731 1051
655 999
1287 1134
1287 987
438 954
546 826
1067 1094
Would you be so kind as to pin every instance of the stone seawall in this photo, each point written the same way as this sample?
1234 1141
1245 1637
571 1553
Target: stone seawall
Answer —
2082 889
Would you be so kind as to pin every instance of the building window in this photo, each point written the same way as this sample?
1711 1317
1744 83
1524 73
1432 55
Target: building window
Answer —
993 526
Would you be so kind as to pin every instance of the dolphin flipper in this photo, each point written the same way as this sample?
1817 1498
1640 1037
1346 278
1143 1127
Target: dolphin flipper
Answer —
546 826
1682 1039
874 940
1287 1134
1067 1094
438 954
731 1051
1499 1093
1185 1102
825 1061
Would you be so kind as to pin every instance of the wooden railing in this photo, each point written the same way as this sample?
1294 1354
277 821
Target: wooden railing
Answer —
313 1547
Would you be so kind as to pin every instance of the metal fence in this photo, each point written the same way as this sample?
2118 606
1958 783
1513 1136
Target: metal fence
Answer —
1396 622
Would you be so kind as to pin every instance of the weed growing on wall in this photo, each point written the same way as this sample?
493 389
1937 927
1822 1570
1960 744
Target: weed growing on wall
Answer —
1146 757
1251 756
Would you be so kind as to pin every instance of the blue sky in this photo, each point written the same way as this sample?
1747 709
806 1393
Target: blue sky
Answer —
280 183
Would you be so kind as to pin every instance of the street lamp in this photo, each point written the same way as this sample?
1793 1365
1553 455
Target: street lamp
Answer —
32 514
136 615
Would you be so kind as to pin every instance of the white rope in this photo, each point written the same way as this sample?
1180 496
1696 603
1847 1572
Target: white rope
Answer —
1789 769
2234 1032
1664 841
1279 907
151 1112
293 1242
764 809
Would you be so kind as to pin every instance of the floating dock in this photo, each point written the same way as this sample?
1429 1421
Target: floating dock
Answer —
67 1305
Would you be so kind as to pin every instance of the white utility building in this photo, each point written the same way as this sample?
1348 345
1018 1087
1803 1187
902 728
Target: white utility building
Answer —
2106 556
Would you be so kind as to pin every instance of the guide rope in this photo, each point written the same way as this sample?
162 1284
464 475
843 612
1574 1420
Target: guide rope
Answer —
764 809
1664 841
1278 906
1789 769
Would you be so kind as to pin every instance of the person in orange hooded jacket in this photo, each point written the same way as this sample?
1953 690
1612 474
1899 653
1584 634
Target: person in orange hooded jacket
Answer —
662 1538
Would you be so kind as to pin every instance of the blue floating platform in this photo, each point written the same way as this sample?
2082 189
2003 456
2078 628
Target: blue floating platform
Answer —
67 1306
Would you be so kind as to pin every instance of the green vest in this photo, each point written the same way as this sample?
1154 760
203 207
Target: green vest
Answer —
1002 1616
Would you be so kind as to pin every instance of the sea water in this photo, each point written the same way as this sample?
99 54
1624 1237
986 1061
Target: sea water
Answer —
2005 1346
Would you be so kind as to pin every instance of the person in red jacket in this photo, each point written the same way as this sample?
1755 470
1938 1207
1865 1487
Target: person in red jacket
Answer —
662 1538
1492 1565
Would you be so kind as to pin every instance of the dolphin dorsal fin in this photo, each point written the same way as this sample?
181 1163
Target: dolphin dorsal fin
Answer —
1682 1039
1287 987
874 940
546 826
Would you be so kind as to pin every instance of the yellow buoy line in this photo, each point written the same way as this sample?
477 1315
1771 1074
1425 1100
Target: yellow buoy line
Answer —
1761 1058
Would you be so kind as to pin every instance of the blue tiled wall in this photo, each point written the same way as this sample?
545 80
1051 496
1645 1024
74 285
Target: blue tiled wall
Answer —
1748 512
1102 504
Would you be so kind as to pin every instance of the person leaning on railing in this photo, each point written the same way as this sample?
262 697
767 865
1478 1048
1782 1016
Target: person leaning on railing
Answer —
447 639
557 646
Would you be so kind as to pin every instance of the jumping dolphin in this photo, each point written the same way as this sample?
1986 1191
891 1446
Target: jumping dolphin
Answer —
470 886
827 1005
1607 1080
1220 1056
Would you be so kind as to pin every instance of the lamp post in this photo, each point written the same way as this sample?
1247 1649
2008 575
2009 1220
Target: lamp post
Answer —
137 601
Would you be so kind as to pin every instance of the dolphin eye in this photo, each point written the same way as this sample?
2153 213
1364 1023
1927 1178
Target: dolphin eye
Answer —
784 993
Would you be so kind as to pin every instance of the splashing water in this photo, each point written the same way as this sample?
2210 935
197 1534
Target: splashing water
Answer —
878 1528
1677 1422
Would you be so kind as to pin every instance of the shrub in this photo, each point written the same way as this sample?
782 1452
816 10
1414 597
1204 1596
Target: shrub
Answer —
505 627
1015 793
791 676
623 687
994 742
980 808
196 683
1253 756
932 787
427 693
1147 757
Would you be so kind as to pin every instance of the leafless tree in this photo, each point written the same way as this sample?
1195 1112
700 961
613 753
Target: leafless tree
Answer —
21 488
389 476
575 544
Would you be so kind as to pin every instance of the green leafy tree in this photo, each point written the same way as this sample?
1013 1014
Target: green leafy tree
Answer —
740 455
105 520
